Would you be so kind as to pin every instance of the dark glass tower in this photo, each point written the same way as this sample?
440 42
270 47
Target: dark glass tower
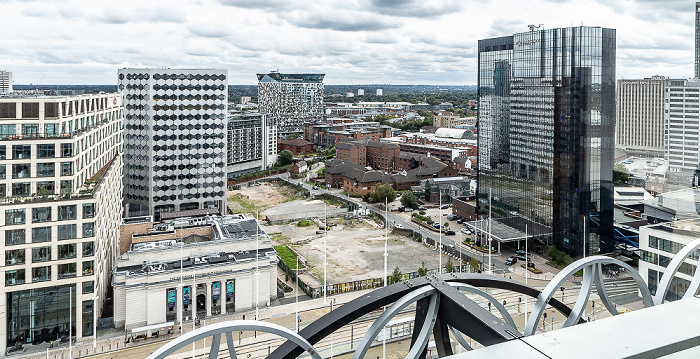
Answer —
546 134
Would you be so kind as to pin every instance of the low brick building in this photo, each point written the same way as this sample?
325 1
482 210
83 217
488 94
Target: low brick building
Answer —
297 146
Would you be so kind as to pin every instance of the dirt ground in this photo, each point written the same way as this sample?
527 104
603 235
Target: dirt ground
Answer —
250 199
355 251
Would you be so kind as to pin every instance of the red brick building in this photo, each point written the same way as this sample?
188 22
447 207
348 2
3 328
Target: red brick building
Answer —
297 146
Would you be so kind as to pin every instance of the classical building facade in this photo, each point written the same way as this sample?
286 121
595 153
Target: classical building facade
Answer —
61 193
192 267
640 115
175 139
546 127
252 143
292 98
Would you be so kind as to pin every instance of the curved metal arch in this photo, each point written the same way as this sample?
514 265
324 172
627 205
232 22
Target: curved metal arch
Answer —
473 290
671 270
593 262
345 314
215 331
396 308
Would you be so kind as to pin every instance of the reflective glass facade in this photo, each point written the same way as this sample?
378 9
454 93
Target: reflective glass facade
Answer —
38 315
546 133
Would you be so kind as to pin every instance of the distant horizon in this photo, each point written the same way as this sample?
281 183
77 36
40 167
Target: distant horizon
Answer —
325 84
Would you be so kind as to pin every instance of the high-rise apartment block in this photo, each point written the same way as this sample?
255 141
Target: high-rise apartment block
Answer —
60 198
546 120
252 143
5 82
640 115
175 139
697 40
291 98
682 106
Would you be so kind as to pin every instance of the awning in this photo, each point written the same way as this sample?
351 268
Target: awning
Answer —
148 328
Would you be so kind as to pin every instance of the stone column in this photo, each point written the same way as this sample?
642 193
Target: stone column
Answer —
193 297
207 302
222 296
179 304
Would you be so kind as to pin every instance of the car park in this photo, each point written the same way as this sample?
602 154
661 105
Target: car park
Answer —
511 260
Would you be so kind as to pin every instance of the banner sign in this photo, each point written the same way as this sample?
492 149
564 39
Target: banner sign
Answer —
172 296
229 289
186 296
216 290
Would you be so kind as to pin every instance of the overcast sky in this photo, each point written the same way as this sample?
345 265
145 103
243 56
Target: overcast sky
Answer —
351 41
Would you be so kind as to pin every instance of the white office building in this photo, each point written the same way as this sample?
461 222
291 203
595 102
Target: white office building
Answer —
682 121
5 82
252 143
640 115
175 139
191 267
60 198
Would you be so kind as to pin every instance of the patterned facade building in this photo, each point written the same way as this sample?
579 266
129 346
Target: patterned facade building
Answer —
292 98
175 139
60 210
640 115
546 125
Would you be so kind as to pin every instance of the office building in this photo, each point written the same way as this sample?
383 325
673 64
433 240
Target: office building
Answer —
697 40
546 123
380 92
191 267
360 92
252 143
5 82
291 98
682 103
640 116
175 139
60 198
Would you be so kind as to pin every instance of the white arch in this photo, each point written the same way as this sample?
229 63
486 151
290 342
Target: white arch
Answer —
671 270
215 331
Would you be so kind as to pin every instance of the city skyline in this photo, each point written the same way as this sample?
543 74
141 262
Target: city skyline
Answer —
360 42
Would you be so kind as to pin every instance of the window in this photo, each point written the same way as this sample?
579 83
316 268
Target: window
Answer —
67 231
45 169
15 216
88 249
88 267
66 270
3 152
14 236
15 256
88 287
30 130
41 274
67 212
14 277
3 172
41 214
21 189
21 170
46 150
45 188
8 130
66 150
66 251
88 210
88 230
50 129
66 187
66 168
41 234
21 152
41 254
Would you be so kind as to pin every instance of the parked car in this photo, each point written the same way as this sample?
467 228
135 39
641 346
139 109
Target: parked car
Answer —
460 221
452 217
421 208
408 209
436 225
449 232
398 225
522 252
511 260
315 187
445 206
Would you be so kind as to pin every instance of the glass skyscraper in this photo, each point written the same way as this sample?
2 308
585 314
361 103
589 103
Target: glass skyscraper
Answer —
546 134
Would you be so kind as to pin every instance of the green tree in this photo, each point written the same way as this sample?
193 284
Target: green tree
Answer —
285 157
474 264
381 192
620 174
449 267
292 136
447 224
396 276
408 199
422 271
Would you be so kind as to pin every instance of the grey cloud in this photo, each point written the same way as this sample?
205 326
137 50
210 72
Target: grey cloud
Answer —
258 4
209 30
339 22
416 8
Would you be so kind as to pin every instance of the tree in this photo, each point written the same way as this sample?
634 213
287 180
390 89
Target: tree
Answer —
422 271
396 276
474 264
381 192
292 136
285 157
620 174
449 267
408 199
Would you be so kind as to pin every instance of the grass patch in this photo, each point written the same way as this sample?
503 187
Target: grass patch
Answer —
287 256
304 223
532 269
278 237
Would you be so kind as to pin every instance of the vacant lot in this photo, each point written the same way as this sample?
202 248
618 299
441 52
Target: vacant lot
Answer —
249 199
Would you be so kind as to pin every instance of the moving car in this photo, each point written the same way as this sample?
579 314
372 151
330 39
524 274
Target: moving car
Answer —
449 232
511 260
398 225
